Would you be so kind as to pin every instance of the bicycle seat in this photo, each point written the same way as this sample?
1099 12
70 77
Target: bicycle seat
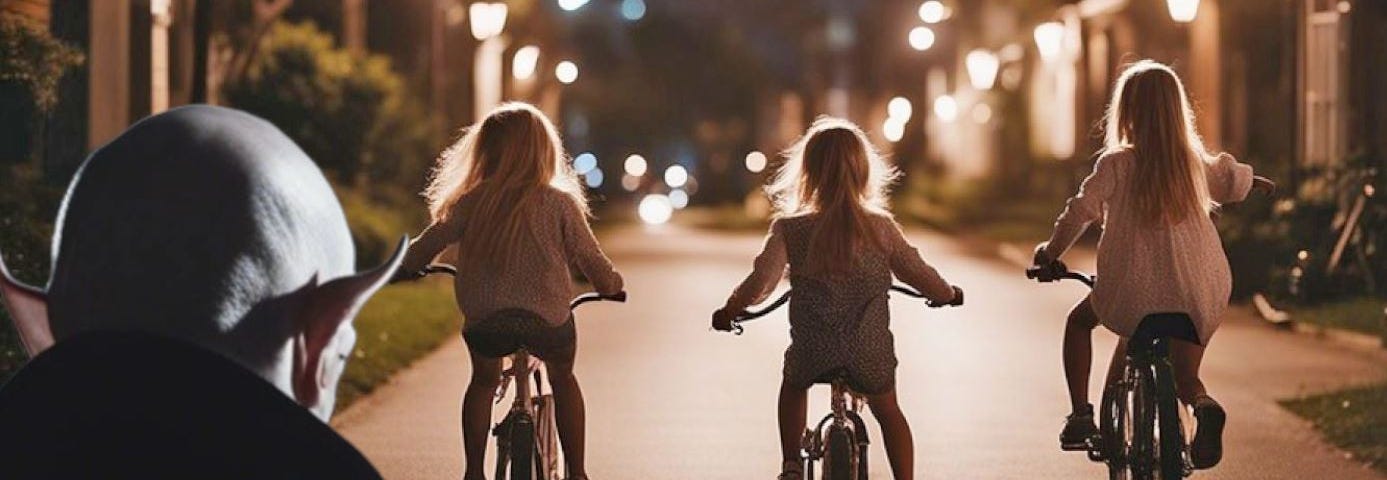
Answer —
1168 325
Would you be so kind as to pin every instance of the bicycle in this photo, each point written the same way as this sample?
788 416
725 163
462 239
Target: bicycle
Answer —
527 437
840 439
1141 430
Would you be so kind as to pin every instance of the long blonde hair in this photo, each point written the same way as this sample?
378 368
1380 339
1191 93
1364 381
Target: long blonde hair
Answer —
834 171
501 163
1150 114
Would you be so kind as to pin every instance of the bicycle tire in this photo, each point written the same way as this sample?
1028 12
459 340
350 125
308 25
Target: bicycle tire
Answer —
1143 464
1172 436
1115 427
522 445
838 462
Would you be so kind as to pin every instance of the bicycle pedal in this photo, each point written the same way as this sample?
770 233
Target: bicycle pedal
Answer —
1075 447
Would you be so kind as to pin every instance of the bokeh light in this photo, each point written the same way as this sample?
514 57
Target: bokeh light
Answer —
571 5
630 183
594 178
921 38
893 129
755 162
524 63
982 113
633 9
584 163
946 108
678 199
900 108
655 209
933 11
982 68
635 165
1049 39
676 176
566 72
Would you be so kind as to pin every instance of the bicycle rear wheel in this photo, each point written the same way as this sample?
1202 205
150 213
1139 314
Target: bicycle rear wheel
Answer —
1115 424
838 463
1172 435
522 449
1144 448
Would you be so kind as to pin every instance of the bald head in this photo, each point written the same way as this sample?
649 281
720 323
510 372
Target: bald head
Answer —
209 225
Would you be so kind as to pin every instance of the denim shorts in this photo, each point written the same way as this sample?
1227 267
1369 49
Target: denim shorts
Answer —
505 331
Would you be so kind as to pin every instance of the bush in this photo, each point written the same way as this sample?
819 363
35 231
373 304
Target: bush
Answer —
29 72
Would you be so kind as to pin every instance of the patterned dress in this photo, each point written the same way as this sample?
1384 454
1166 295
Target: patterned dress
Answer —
1143 268
839 322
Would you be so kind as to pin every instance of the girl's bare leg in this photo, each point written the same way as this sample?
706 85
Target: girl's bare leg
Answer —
1186 358
476 413
570 412
1078 352
895 431
794 405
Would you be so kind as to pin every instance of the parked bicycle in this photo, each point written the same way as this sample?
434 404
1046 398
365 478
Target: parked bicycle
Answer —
527 445
839 440
1141 421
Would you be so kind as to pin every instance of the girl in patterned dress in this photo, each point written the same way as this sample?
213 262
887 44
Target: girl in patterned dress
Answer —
841 245
1153 188
506 197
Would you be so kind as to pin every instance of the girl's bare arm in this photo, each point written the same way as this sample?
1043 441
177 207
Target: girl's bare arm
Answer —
584 252
1084 208
910 267
766 272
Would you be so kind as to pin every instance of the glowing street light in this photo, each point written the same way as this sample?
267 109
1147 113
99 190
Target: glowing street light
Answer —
635 165
893 129
1049 40
933 11
982 68
1183 11
676 176
946 108
633 9
921 38
523 64
594 178
566 72
571 5
488 19
678 199
755 162
655 209
900 108
630 183
584 163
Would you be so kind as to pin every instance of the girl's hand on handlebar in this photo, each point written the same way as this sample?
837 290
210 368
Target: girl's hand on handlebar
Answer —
722 319
1263 185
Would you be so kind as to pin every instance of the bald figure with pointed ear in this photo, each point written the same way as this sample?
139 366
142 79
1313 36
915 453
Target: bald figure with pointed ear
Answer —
199 314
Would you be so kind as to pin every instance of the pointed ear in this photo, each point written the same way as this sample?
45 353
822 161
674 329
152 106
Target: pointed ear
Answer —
28 307
325 309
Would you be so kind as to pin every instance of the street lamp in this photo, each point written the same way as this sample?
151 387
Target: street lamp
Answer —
933 11
571 5
566 72
676 176
755 162
1183 11
635 165
488 19
982 68
921 38
946 108
523 64
1049 40
900 108
893 129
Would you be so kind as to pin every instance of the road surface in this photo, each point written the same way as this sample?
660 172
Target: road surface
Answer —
981 385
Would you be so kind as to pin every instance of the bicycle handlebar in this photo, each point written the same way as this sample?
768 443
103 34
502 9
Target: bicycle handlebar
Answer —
445 269
1056 272
785 297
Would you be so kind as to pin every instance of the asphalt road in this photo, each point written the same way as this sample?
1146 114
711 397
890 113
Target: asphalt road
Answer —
981 385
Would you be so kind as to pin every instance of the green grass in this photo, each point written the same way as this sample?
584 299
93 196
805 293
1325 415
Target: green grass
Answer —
1354 419
1361 314
399 325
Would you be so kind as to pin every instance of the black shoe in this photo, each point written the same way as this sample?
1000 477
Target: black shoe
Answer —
1207 448
1079 430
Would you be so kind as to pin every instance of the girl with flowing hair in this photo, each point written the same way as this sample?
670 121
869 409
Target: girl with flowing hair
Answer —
1153 187
505 196
841 244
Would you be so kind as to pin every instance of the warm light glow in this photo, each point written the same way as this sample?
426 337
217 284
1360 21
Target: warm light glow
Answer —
635 165
982 68
523 64
921 38
1344 7
630 183
488 19
900 108
1049 40
676 176
632 9
982 113
893 129
946 108
655 209
571 5
678 199
933 11
584 163
594 178
1183 11
566 72
755 162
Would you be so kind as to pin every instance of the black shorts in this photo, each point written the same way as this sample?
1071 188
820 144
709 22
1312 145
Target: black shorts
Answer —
505 331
